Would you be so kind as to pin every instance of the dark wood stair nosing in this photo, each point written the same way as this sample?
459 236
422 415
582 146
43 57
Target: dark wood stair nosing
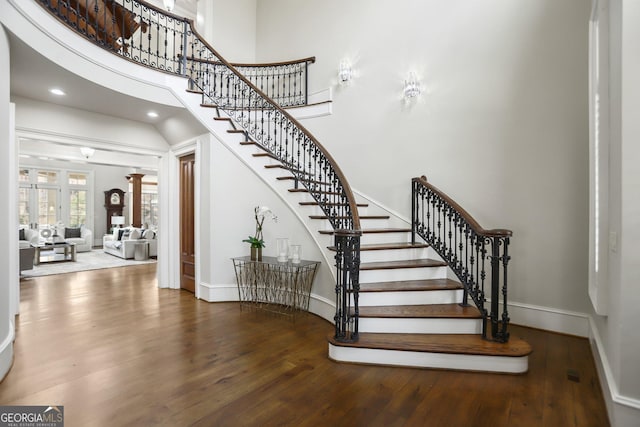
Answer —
394 265
360 205
387 246
370 217
374 231
422 285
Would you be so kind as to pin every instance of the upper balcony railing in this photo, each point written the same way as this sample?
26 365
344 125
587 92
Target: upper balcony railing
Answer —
145 34
283 82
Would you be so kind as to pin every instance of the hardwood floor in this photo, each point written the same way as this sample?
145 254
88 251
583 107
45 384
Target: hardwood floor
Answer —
117 351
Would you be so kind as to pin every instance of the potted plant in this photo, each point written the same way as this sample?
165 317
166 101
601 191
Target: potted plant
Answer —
256 241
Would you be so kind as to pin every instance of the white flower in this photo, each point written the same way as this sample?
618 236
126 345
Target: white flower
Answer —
263 212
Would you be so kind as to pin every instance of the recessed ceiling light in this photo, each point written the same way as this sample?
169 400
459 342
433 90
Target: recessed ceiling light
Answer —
152 114
57 91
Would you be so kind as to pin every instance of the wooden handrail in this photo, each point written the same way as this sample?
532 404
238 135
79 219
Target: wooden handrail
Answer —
311 60
346 187
470 220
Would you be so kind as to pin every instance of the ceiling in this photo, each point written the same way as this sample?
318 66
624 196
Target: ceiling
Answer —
32 75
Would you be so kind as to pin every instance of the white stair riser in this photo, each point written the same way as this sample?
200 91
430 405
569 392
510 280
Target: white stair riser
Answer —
511 365
394 254
452 296
374 238
371 276
419 325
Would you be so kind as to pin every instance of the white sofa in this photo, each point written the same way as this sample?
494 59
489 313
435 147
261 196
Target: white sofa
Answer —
122 242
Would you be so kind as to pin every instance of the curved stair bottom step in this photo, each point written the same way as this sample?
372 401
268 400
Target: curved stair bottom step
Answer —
449 351
433 360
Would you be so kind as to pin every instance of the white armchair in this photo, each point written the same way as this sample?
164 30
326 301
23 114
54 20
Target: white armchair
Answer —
27 237
81 236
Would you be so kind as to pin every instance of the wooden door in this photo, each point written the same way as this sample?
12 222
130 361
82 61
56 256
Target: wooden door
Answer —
187 232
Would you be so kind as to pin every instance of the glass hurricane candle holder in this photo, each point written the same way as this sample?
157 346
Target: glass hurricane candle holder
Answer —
282 245
296 253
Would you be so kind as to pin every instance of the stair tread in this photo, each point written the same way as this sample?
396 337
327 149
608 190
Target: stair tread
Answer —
264 154
412 263
411 285
361 217
375 230
309 181
470 344
360 205
422 311
388 246
304 190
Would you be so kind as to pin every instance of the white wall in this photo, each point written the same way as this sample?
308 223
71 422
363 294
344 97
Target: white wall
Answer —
235 192
116 133
617 342
230 27
7 215
502 125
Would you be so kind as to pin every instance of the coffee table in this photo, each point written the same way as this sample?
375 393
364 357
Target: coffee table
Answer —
69 252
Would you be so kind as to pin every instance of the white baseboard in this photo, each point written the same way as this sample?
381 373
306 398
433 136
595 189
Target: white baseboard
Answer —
318 305
6 352
548 319
218 293
623 410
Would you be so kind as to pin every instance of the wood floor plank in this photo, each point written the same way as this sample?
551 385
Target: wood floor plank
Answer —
116 350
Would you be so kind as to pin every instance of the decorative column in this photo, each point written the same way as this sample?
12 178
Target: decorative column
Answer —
136 182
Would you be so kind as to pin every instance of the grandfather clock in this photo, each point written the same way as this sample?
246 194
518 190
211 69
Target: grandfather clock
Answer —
114 203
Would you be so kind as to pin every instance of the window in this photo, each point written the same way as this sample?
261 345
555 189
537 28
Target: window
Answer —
76 178
46 197
23 206
78 196
598 156
48 177
150 205
77 207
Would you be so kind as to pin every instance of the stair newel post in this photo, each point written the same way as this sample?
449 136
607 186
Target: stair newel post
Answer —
183 48
495 285
340 319
347 285
504 334
306 83
414 210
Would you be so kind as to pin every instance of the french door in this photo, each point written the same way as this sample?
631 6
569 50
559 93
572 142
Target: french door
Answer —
39 204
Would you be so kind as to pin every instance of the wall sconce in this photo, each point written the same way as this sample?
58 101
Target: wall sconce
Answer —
87 152
345 72
411 86
169 4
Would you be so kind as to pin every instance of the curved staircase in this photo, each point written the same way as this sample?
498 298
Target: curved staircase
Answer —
409 309
397 302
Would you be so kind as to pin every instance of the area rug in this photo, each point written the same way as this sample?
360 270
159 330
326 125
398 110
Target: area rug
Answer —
93 260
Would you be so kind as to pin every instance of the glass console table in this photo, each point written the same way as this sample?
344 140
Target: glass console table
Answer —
281 287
